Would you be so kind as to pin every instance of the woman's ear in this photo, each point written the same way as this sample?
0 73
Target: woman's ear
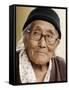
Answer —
57 43
26 40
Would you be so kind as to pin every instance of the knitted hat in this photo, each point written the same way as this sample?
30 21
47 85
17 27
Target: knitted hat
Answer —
46 14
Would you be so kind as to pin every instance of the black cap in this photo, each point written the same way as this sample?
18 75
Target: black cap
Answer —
46 14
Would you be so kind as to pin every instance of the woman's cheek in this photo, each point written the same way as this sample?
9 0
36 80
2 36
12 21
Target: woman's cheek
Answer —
33 44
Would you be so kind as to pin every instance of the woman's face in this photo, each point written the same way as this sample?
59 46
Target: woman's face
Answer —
41 42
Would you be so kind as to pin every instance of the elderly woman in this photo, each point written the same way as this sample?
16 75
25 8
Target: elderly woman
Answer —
36 60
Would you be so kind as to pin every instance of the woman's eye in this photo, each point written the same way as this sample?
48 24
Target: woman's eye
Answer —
36 33
49 36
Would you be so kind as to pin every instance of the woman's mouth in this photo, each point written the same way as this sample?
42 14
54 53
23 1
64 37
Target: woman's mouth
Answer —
41 52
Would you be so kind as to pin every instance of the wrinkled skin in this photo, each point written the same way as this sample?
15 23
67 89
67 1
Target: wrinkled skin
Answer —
39 52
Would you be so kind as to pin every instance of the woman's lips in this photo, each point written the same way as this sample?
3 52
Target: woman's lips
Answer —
41 52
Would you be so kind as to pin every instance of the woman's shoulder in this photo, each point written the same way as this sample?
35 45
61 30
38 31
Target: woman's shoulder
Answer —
58 72
60 66
59 60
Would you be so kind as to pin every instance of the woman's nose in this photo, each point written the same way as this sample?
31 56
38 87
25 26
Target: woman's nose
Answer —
42 43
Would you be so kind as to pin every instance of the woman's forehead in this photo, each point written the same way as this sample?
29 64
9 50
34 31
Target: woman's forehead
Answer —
43 26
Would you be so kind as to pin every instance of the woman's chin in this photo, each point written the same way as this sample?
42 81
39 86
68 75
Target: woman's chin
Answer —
41 61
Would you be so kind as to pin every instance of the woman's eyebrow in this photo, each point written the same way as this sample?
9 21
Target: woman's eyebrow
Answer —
50 31
37 28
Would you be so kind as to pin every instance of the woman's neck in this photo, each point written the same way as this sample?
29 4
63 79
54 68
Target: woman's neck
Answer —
40 71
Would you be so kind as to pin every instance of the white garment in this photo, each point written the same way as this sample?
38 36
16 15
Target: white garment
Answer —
26 71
